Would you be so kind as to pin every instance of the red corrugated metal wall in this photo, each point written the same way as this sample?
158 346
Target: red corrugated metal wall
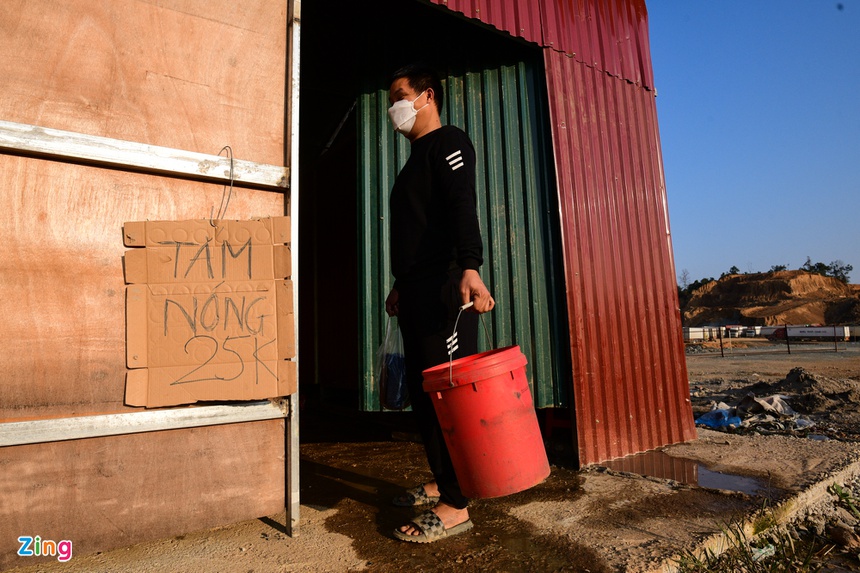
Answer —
629 372
610 35
630 378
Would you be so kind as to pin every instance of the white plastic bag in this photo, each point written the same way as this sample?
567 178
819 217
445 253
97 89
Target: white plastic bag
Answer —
390 370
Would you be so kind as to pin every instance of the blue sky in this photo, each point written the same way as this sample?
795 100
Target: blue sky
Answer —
758 104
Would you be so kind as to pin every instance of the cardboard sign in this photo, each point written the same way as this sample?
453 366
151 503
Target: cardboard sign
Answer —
209 312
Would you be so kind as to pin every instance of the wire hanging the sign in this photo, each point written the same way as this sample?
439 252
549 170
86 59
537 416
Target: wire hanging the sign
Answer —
222 208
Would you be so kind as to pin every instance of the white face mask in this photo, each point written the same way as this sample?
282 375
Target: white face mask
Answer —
402 114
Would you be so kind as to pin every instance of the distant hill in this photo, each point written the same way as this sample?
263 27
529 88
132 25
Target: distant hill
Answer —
769 299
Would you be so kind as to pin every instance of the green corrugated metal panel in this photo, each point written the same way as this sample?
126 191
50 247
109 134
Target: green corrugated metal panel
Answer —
503 112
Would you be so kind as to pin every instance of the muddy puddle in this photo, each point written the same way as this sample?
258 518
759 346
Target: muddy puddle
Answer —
661 465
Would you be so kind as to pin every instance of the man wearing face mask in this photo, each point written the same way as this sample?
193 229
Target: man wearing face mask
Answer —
436 251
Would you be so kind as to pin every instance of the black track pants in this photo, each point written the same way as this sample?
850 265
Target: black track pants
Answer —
427 313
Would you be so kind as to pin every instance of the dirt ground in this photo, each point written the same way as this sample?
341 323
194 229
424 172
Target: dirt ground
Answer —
630 515
773 299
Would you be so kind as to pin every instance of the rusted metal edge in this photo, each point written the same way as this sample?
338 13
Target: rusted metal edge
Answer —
20 138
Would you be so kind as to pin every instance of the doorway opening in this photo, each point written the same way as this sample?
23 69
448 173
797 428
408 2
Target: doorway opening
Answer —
347 55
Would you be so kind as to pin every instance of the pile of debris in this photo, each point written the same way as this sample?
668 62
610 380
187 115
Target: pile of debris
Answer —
792 406
770 415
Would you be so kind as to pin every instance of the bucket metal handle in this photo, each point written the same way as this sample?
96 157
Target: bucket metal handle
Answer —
453 343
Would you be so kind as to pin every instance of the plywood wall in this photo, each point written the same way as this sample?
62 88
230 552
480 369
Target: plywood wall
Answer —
189 74
103 493
63 292
193 75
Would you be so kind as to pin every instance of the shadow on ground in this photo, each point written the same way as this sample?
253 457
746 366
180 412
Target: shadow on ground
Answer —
360 463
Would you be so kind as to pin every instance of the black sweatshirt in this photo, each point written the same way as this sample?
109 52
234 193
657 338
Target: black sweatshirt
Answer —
434 220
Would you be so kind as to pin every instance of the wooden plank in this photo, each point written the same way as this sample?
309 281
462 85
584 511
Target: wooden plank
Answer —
60 429
104 151
195 75
104 493
62 294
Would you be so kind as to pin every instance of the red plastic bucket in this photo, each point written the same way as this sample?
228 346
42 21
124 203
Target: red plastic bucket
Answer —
488 418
